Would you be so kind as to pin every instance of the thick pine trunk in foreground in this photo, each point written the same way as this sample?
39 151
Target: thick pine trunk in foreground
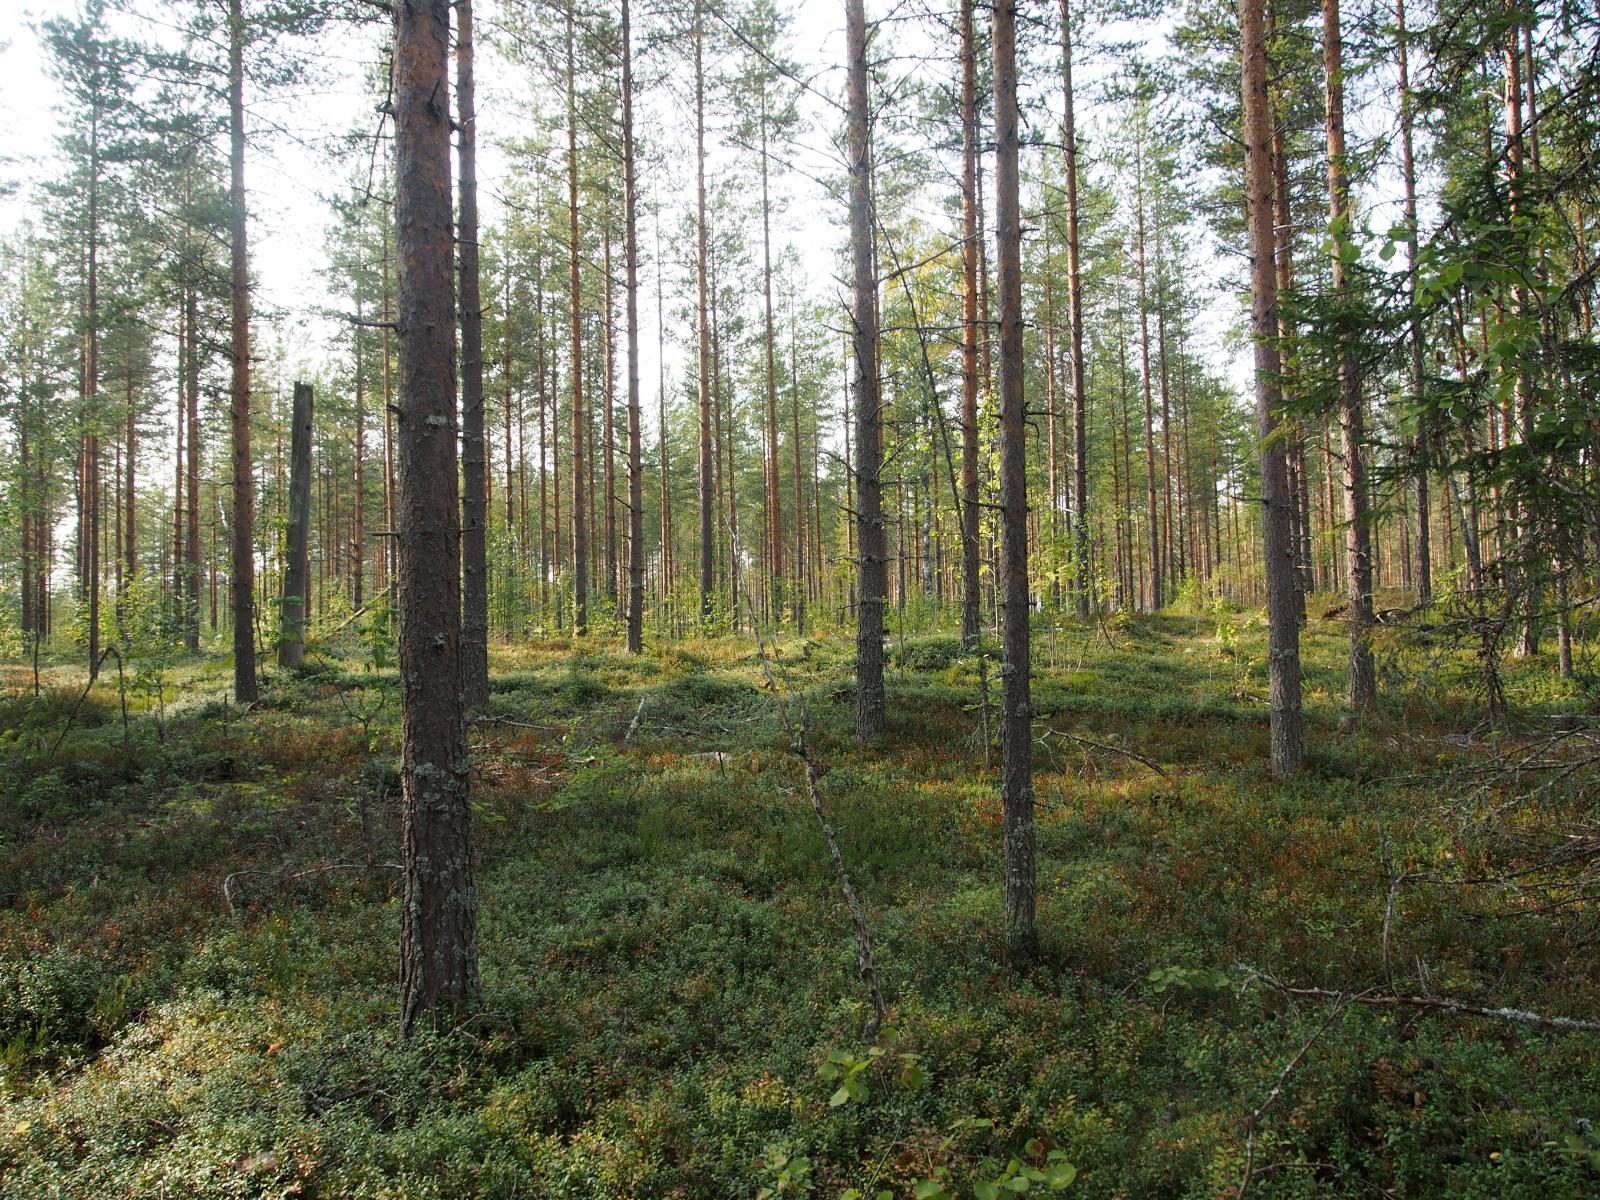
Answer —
474 467
439 946
243 573
296 572
1283 629
871 556
1016 717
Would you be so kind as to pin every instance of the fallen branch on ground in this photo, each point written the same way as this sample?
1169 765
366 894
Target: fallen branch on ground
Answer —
1090 742
229 890
1515 1016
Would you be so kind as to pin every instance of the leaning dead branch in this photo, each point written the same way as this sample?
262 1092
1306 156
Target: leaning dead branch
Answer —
1252 1123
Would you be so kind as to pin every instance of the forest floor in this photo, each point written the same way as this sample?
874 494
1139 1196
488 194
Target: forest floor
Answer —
199 931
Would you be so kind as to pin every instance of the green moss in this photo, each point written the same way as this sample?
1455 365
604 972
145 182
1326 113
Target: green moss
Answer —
198 944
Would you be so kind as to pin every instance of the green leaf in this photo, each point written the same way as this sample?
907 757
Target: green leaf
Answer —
984 1190
839 1097
1387 252
1017 1183
930 1189
1062 1175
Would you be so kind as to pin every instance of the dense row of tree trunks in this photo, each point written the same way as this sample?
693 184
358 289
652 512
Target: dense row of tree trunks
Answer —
438 967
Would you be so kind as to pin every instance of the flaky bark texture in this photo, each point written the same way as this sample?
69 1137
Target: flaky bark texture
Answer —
1283 629
474 468
1016 716
439 944
871 557
243 572
296 572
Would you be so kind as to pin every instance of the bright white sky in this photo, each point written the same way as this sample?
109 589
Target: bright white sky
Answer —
286 172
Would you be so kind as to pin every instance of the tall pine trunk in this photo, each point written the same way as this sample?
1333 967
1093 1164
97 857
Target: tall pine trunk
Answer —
1153 514
296 575
1016 717
243 525
1352 415
1080 395
1423 444
580 532
774 510
439 946
970 250
89 487
1283 629
872 582
630 215
474 465
708 496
